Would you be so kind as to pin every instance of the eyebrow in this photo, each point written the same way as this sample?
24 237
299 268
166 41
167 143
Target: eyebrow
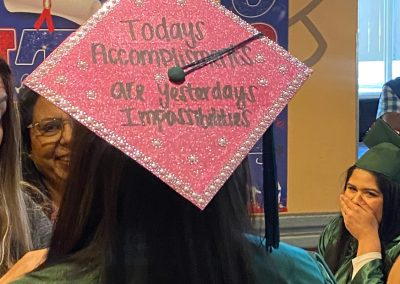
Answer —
367 188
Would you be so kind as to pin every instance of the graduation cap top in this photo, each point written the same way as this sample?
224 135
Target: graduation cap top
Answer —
111 76
381 132
384 153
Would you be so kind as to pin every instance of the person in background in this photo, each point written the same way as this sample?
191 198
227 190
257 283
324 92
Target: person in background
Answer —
389 104
23 226
46 132
361 245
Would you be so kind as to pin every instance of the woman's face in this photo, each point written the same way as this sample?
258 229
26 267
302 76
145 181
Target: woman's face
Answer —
3 107
50 140
362 186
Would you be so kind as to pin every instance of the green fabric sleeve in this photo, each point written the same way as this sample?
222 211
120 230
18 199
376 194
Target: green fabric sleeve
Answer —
327 236
370 273
65 273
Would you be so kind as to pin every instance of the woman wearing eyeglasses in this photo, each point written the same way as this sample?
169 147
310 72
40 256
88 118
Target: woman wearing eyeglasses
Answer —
46 136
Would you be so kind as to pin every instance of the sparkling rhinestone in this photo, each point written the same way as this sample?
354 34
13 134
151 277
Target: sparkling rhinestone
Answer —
57 99
262 82
98 127
73 111
260 58
61 79
157 143
91 95
222 141
139 3
136 154
83 65
263 124
193 159
181 2
282 69
159 78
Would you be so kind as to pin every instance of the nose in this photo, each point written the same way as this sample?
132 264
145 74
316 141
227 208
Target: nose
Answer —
66 134
357 198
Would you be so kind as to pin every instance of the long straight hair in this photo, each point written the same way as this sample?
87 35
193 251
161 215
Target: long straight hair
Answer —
15 238
141 231
389 227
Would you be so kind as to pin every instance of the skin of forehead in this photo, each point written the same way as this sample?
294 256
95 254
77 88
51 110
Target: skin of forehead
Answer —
363 180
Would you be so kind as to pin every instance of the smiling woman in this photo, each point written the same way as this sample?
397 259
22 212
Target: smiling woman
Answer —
46 137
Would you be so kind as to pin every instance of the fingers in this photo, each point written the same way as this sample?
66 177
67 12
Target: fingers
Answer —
354 212
348 203
348 207
361 205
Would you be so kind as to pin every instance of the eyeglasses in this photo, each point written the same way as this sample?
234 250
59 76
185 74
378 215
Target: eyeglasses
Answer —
50 126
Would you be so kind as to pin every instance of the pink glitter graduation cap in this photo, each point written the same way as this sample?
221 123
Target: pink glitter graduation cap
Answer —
111 75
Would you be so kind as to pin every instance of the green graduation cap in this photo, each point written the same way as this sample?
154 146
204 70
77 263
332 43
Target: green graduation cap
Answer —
381 132
384 153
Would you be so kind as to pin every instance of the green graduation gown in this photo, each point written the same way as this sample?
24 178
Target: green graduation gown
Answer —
287 264
373 272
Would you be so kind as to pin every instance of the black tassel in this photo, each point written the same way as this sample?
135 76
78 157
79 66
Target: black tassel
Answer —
270 191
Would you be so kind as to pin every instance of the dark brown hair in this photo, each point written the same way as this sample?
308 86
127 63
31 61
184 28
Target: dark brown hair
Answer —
140 230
